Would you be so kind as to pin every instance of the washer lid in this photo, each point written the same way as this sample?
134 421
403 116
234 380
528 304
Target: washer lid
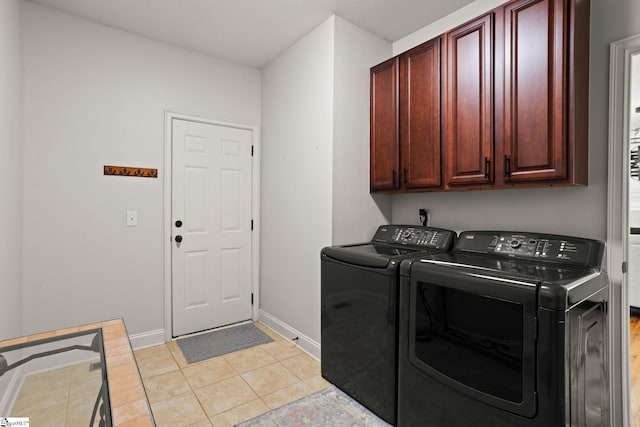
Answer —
559 286
368 254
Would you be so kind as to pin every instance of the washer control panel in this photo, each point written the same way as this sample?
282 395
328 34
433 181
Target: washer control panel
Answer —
420 237
564 249
515 244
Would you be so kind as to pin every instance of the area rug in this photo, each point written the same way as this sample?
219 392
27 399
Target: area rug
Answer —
328 407
201 347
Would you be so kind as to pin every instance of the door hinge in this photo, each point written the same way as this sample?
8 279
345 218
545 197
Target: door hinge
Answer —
251 225
252 151
624 267
251 298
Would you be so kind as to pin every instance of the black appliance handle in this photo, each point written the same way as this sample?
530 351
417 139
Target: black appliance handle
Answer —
466 278
354 259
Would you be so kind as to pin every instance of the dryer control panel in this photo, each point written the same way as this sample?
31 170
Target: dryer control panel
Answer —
547 247
415 236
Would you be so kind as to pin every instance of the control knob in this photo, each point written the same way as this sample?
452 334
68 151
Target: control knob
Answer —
515 243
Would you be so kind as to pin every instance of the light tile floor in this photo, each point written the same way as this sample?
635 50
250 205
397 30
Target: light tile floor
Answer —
61 397
228 389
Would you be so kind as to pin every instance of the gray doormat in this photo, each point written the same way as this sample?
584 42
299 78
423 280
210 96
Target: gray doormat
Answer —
216 343
329 407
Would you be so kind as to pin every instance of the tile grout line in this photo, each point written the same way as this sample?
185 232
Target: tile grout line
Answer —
300 382
179 369
191 389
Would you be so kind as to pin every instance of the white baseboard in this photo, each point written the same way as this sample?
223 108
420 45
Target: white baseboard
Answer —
147 339
14 384
304 342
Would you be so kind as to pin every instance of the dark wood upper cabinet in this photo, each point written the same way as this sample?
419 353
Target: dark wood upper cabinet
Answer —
405 121
384 137
535 90
420 116
499 102
468 105
546 87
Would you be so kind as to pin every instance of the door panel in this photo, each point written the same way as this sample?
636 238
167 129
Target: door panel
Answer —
468 103
196 275
195 179
230 206
384 138
420 96
535 90
211 195
231 264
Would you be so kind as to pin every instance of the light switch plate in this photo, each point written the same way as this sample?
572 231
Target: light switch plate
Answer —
132 218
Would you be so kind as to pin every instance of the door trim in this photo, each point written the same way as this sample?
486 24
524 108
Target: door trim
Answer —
618 226
255 212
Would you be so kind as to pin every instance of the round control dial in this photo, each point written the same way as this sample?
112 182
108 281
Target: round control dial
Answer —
515 243
406 234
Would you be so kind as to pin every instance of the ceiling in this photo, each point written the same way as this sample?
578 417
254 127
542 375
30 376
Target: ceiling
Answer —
252 32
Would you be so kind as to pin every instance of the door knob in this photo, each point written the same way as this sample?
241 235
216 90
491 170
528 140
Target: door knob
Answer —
178 239
178 223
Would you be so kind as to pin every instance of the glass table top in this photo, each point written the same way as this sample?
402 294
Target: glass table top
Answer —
63 379
83 375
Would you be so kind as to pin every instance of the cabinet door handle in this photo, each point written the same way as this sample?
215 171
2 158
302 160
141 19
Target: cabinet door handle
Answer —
406 179
507 166
487 162
393 177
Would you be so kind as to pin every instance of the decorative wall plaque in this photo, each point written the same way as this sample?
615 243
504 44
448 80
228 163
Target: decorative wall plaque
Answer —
130 171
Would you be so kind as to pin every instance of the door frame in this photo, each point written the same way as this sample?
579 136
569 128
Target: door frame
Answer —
618 226
255 212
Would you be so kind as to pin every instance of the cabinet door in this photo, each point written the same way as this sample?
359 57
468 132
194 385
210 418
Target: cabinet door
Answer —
384 138
535 90
420 116
468 103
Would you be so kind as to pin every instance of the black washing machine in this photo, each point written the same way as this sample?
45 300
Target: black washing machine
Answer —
359 316
509 329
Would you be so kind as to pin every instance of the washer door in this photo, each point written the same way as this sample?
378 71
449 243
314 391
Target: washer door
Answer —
475 333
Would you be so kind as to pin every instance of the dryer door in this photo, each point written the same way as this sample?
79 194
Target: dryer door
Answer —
475 333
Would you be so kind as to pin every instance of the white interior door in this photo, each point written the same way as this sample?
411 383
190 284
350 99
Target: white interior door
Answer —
211 225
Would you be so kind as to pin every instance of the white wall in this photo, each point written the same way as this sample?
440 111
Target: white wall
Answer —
633 279
610 21
93 96
634 191
634 123
574 211
10 183
315 166
10 169
356 213
446 23
296 144
635 93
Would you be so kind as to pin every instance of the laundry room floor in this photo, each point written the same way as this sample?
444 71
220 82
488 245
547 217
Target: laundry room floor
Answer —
227 389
